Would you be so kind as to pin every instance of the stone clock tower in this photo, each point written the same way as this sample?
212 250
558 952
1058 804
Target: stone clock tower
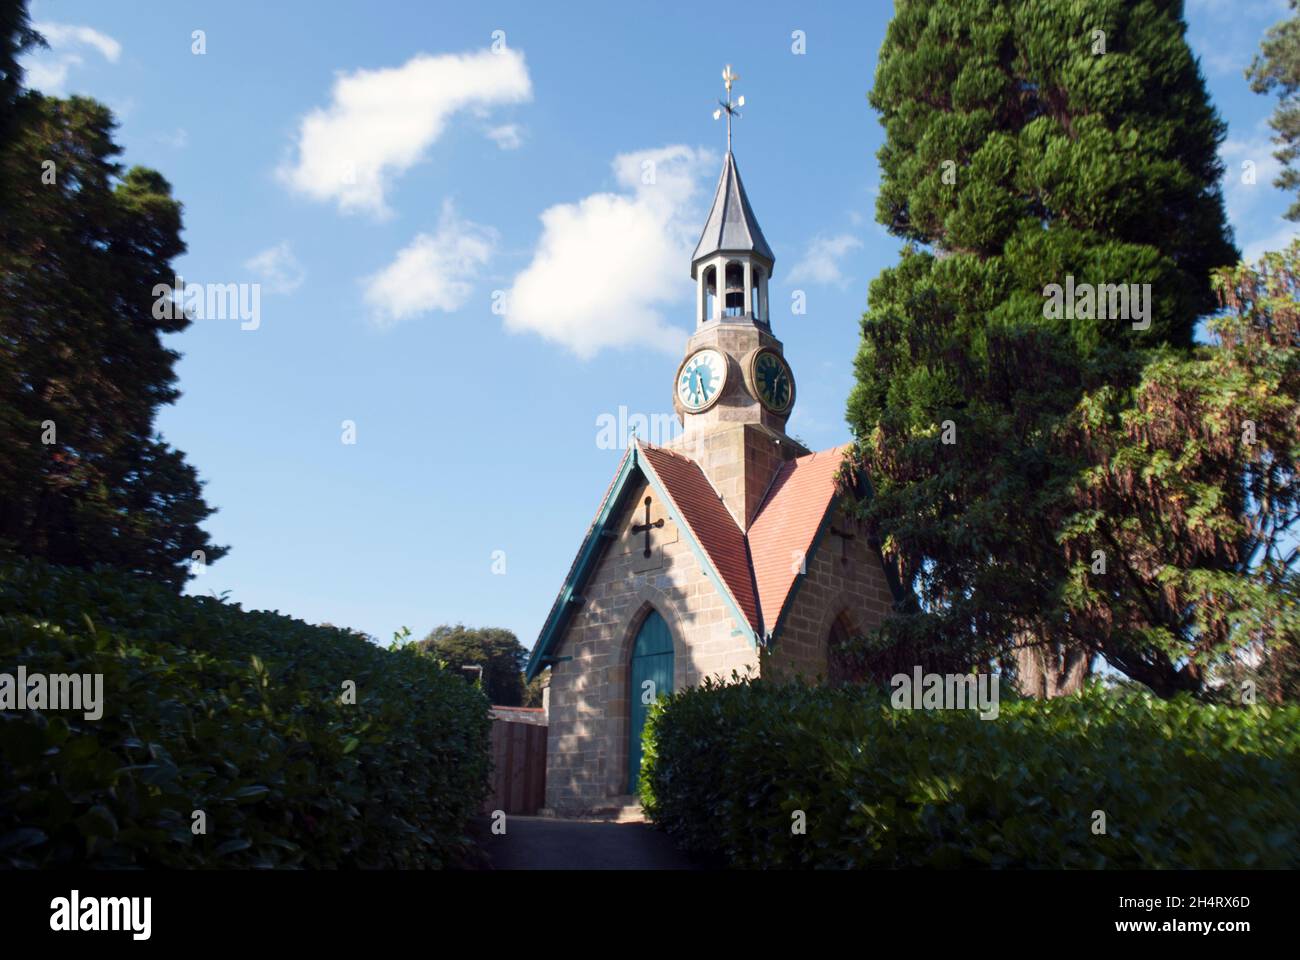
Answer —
730 550
734 390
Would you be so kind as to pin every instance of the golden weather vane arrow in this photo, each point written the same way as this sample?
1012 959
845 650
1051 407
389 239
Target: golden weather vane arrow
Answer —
727 106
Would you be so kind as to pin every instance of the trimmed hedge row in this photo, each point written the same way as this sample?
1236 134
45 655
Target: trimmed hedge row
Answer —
237 714
1181 784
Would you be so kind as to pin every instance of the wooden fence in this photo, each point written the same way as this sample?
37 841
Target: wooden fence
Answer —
518 768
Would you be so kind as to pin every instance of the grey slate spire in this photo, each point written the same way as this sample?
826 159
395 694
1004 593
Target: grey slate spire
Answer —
731 226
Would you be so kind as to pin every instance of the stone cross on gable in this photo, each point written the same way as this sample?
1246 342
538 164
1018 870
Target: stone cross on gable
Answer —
647 526
845 537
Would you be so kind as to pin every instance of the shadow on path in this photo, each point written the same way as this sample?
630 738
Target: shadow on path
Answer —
545 843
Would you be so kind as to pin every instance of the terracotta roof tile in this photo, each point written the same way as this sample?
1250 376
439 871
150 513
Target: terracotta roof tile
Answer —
757 567
787 523
700 507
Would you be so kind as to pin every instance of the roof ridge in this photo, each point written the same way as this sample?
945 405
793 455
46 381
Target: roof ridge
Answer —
660 448
705 543
704 473
767 495
792 516
817 453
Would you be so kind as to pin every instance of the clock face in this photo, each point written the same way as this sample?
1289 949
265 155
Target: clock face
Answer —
773 383
701 379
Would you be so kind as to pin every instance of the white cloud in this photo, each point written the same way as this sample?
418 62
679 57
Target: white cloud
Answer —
278 269
1252 155
1230 9
1255 208
433 272
1274 242
506 137
47 70
605 266
382 122
178 139
50 75
68 35
820 262
1220 59
1225 34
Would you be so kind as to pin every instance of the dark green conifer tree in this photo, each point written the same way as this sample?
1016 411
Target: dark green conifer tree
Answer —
1029 143
84 477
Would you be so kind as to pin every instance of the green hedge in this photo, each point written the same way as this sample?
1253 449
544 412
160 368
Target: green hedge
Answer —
237 714
1181 784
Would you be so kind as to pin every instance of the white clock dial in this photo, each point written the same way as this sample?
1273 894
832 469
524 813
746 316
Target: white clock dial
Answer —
701 379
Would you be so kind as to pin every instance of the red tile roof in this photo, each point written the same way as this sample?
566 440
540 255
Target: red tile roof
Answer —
701 508
759 565
756 567
787 522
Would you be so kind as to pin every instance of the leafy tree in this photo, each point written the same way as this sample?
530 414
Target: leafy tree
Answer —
1028 144
85 478
1183 545
1272 675
533 690
496 650
1277 68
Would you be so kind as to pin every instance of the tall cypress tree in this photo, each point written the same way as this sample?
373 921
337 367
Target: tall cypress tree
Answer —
84 477
1029 143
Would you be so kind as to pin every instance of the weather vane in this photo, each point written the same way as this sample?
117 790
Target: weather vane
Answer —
726 106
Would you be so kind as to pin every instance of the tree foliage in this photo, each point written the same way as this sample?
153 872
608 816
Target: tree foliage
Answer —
85 478
534 691
1028 144
1277 69
302 746
1183 544
496 650
16 38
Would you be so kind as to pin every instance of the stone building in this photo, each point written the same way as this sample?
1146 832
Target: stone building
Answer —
729 549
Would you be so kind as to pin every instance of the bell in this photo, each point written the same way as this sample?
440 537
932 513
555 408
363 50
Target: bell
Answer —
735 292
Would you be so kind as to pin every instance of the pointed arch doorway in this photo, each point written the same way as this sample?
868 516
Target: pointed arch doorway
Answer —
652 662
838 671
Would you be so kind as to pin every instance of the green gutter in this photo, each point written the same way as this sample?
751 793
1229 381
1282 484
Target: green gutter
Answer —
592 546
564 605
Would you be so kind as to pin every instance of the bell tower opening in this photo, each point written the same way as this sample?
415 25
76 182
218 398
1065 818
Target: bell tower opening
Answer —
735 303
708 296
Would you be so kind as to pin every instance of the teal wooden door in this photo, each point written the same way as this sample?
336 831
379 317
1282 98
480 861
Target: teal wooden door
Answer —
652 661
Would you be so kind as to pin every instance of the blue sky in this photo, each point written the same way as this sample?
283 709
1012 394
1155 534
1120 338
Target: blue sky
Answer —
471 229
